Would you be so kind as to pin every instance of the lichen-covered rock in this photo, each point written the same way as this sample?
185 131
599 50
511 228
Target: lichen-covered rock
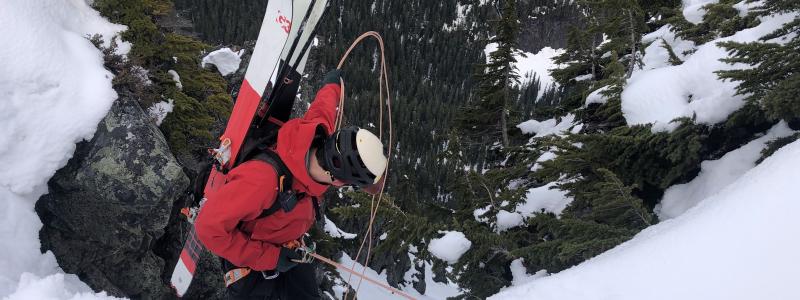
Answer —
111 203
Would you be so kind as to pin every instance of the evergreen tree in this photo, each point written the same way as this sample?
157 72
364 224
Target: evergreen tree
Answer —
489 116
774 81
720 20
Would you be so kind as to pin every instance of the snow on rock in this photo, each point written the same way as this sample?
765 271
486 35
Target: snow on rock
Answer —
507 220
716 175
176 78
449 247
160 110
334 231
661 95
226 60
70 89
547 198
548 127
740 243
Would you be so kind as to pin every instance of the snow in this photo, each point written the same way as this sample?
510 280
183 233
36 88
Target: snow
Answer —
693 10
449 247
142 74
433 290
597 96
507 220
529 64
584 77
656 56
716 175
548 127
479 212
740 243
226 60
334 231
540 64
549 155
160 110
52 99
176 78
691 89
520 275
462 11
744 7
58 286
547 198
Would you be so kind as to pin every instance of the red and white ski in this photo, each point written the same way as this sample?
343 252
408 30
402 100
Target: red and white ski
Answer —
282 44
272 38
275 34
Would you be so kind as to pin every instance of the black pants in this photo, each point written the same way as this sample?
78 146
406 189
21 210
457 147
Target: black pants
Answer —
298 283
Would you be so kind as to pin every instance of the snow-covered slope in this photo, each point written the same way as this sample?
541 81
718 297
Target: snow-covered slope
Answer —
716 175
53 93
741 243
433 290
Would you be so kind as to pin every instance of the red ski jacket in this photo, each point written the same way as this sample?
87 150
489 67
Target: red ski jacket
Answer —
228 225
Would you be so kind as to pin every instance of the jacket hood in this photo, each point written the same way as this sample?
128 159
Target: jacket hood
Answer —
294 142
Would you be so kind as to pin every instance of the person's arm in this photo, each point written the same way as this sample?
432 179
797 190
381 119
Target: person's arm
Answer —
250 189
325 103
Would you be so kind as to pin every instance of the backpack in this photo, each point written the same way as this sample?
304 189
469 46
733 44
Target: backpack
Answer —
258 147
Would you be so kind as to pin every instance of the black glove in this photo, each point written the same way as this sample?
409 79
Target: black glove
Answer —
334 76
288 259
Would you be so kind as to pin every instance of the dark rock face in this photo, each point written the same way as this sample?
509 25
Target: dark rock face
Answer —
112 202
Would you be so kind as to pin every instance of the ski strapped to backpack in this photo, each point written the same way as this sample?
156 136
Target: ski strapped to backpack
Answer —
275 64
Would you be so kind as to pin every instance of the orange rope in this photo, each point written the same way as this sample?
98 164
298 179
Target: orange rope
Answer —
383 83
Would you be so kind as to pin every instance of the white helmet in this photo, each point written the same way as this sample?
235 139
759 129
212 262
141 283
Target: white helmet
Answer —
354 156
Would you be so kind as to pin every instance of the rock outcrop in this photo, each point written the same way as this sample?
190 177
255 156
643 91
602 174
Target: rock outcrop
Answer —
111 203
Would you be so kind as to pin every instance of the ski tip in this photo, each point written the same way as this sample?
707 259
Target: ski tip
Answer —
175 290
181 279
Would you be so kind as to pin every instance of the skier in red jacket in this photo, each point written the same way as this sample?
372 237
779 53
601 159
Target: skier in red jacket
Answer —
231 225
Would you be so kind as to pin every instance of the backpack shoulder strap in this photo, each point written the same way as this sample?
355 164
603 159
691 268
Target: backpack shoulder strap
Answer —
285 179
286 198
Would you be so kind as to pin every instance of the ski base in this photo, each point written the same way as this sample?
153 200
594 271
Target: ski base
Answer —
187 264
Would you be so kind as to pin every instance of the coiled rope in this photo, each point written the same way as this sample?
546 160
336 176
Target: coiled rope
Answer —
384 98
